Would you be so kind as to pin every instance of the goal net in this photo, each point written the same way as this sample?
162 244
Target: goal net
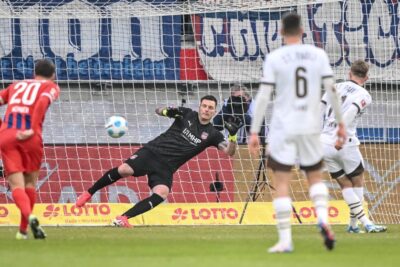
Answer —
130 57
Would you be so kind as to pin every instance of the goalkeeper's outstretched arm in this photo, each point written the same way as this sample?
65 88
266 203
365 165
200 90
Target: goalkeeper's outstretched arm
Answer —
229 147
170 112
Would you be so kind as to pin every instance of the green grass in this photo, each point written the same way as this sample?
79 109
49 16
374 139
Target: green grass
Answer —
195 246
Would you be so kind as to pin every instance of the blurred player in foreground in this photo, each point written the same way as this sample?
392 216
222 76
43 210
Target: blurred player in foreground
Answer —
297 72
345 163
190 134
21 141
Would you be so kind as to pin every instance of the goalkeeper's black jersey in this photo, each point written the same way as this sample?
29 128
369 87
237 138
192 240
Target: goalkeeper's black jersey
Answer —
186 138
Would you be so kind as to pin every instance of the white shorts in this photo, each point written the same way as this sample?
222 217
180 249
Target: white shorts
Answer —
291 149
347 159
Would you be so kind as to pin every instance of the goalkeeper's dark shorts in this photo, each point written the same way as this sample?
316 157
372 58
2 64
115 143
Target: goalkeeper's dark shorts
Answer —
144 162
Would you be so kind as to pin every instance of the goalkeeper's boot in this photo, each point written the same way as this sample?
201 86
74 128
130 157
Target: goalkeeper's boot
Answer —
281 248
37 230
328 235
373 228
21 236
354 230
82 199
122 221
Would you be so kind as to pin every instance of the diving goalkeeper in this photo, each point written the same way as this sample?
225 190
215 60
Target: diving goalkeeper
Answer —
190 134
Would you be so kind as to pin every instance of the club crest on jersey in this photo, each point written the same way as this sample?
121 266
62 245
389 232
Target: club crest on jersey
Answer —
363 103
53 93
204 136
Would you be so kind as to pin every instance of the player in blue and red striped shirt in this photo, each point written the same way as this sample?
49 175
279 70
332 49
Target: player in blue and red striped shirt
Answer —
21 141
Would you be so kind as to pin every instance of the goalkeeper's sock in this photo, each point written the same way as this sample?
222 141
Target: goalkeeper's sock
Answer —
319 196
22 201
31 193
144 205
283 209
108 178
355 206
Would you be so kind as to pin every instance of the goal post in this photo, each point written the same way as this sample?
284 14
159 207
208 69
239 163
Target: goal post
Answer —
130 57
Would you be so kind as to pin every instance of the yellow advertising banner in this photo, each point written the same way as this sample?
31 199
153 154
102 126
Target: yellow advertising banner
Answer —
100 214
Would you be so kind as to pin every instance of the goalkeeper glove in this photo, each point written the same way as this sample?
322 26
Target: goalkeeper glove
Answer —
172 112
233 127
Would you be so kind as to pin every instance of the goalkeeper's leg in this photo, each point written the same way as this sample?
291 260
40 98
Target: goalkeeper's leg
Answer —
159 180
160 193
107 179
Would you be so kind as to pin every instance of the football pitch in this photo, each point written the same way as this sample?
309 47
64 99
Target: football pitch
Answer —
195 246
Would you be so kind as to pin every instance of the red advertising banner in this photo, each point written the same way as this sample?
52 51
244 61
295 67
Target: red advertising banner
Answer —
69 170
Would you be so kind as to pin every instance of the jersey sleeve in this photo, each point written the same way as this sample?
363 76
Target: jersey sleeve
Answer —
268 76
52 92
324 99
362 102
326 69
217 138
4 96
185 111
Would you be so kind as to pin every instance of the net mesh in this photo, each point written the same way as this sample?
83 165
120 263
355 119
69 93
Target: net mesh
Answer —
130 57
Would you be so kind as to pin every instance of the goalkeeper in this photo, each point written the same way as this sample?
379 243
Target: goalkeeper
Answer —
190 134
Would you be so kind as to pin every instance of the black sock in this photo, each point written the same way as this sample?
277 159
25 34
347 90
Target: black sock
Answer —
144 205
108 178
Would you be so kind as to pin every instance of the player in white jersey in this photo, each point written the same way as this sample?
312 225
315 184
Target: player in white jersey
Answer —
298 73
345 163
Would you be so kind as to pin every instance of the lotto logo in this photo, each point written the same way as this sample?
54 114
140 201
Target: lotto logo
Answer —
309 212
179 214
51 211
66 210
205 214
3 212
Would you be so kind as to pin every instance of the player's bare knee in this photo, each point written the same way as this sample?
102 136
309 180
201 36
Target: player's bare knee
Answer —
31 178
161 190
313 176
356 176
125 170
357 181
344 182
16 180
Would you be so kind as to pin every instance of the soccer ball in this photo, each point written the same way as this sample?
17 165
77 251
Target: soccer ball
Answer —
116 126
